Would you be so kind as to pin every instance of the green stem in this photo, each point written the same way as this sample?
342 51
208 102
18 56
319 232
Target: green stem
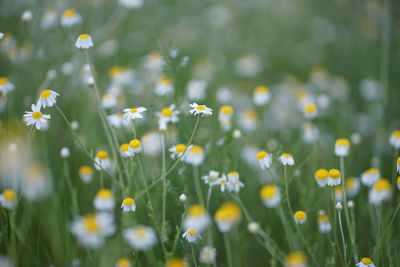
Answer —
193 255
228 249
164 194
197 184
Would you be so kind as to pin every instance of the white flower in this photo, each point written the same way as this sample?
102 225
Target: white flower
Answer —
300 217
233 182
70 18
8 199
195 155
225 114
324 225
191 235
321 176
381 191
140 237
168 114
65 153
200 109
310 111
47 98
178 150
342 147
128 204
125 151
270 195
261 95
334 177
394 139
102 160
365 262
135 146
36 118
117 120
164 87
132 4
212 178
196 90
370 176
104 200
196 218
264 159
310 132
108 100
86 173
222 182
49 18
208 255
84 41
131 114
5 86
286 159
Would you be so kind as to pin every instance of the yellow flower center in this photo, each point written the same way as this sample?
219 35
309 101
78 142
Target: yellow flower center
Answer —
261 89
133 110
9 195
45 93
135 143
229 211
226 109
165 80
176 262
3 80
300 215
398 160
124 147
102 154
115 70
222 181
141 231
69 13
372 171
106 96
129 201
262 154
296 258
233 173
179 148
342 142
104 193
287 155
166 112
351 183
192 231
123 262
382 184
398 180
84 36
196 210
396 134
338 190
366 261
323 218
250 114
196 150
310 108
268 191
91 223
201 108
37 115
334 173
86 170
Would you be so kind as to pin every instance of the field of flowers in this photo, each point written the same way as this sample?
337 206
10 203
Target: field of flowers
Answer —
199 133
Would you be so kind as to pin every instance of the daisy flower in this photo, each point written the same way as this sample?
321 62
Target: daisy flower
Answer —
338 194
398 164
227 216
135 146
47 98
196 90
195 155
310 111
222 182
70 18
123 262
296 259
92 229
84 41
286 159
178 150
324 225
264 159
125 151
211 178
248 120
394 139
270 195
380 191
117 120
225 114
200 109
104 200
128 204
108 101
309 132
131 4
176 262
131 114
5 86
191 235
233 182
86 173
208 255
8 199
352 186
168 114
365 262
261 95
164 86
196 217
342 147
300 217
140 237
334 177
102 160
36 181
370 176
36 118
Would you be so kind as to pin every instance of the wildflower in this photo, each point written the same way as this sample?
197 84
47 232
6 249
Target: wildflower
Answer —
47 98
195 155
211 178
350 204
310 132
253 227
310 111
365 262
370 176
5 86
128 204
8 199
270 195
104 200
380 191
117 120
123 262
248 65
296 259
36 118
125 151
222 181
208 255
92 229
286 159
227 215
176 262
86 173
182 198
70 18
135 146
36 181
191 235
108 100
154 61
64 152
196 90
200 109
233 182
168 114
27 16
248 120
333 177
102 160
84 41
352 186
196 218
342 147
324 225
164 87
225 113
339 206
394 139
338 193
300 217
178 150
49 18
264 159
140 237
131 4
131 114
398 164
261 95
151 144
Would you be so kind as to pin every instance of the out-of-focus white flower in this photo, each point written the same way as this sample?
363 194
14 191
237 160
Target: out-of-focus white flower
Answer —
140 237
151 144
248 65
370 176
394 139
182 198
196 218
248 120
70 18
102 160
270 196
261 95
300 217
334 177
286 159
196 90
8 199
5 86
128 204
86 173
324 225
108 100
104 200
211 178
310 111
49 18
342 147
132 4
380 191
164 86
370 89
264 159
167 114
208 255
296 259
195 155
65 153
227 216
27 16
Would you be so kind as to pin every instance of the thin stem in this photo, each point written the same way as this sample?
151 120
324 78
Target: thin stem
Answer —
343 240
164 194
198 185
193 255
287 190
209 197
228 249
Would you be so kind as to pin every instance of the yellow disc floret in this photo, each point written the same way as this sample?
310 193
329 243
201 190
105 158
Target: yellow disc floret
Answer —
104 193
268 191
262 154
37 115
321 174
226 109
334 173
102 154
229 211
9 195
45 93
300 215
166 112
196 210
135 143
129 201
382 184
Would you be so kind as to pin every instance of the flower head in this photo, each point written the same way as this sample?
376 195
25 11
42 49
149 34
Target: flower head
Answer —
200 110
102 160
176 262
370 176
380 191
296 259
167 114
270 195
128 204
342 147
321 176
104 200
131 114
5 86
8 199
191 235
86 173
70 18
286 159
84 41
365 262
264 159
334 177
140 237
310 111
324 225
36 118
227 215
261 95
195 155
196 217
300 217
208 255
394 139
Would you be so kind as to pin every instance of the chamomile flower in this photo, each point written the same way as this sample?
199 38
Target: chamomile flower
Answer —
309 132
310 111
125 151
8 199
227 216
264 159
338 194
47 98
164 86
398 164
296 259
167 114
191 235
117 120
208 255
5 86
131 114
365 262
225 113
370 176
195 155
342 147
324 225
200 110
211 178
394 139
176 262
177 151
196 217
140 237
102 160
222 182
70 18
334 177
380 191
36 118
108 100
352 186
131 4
128 204
248 120
49 18
152 144
36 181
233 182
86 173
84 41
286 159
270 195
261 95
92 229
196 90
123 262
135 146
300 217
104 200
